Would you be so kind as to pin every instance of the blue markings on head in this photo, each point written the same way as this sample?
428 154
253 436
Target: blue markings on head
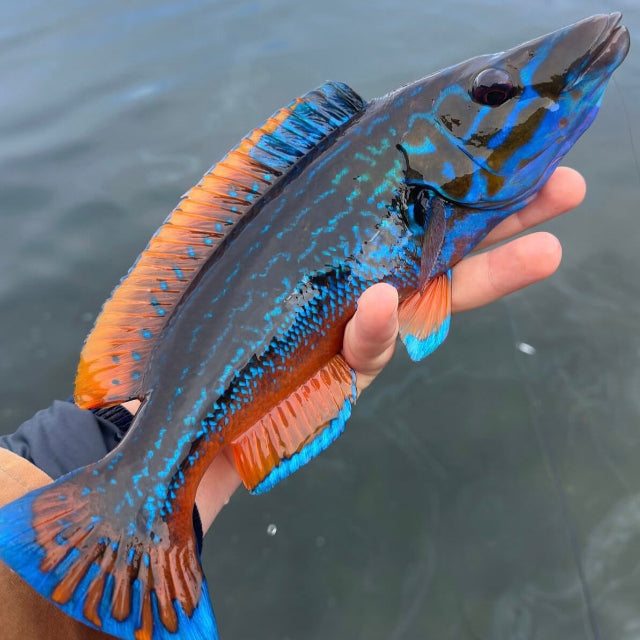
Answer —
135 355
426 146
115 359
146 333
178 273
542 51
448 172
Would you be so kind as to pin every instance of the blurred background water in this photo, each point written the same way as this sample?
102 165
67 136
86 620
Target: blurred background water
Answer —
486 493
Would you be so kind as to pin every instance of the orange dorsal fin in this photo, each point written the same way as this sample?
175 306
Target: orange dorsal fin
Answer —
115 354
297 429
424 317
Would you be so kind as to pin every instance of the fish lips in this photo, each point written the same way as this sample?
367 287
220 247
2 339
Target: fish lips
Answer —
609 48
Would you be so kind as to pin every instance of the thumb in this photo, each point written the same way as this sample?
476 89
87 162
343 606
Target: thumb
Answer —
370 336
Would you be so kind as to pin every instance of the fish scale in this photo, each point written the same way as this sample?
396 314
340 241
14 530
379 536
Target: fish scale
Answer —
229 326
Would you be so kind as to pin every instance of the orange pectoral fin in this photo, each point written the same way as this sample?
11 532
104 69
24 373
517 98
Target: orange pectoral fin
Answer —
424 317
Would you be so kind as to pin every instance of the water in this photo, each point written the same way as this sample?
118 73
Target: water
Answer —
487 493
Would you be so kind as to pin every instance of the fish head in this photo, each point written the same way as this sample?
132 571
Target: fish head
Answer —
487 133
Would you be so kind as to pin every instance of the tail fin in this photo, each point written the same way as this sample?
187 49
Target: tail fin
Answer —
134 584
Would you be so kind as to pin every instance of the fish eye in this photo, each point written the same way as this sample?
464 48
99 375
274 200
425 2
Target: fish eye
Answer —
492 87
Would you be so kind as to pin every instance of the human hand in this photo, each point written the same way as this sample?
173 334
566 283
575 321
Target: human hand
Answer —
479 279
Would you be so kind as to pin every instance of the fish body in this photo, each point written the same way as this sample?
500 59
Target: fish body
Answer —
229 326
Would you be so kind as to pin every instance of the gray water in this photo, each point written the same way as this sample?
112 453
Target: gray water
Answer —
484 494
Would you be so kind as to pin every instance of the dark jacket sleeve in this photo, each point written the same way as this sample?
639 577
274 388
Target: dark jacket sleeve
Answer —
64 437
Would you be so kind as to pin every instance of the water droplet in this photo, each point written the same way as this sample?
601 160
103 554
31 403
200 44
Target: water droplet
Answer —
272 530
320 541
87 316
526 348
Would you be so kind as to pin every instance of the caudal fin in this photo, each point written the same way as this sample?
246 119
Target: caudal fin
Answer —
134 584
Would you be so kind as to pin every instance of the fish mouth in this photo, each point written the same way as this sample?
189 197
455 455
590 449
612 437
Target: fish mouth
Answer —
609 49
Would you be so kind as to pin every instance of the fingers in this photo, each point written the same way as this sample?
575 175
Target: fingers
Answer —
370 336
564 191
483 278
486 277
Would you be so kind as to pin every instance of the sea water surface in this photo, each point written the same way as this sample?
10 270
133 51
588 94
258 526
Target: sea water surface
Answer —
491 492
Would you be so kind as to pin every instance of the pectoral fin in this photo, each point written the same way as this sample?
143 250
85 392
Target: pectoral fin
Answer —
436 224
424 317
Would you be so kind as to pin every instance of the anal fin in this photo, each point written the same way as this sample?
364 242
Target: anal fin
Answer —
297 429
424 317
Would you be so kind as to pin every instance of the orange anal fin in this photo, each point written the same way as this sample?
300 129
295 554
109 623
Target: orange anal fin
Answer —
424 317
297 429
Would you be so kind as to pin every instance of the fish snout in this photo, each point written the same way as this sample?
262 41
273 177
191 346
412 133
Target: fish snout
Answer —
607 46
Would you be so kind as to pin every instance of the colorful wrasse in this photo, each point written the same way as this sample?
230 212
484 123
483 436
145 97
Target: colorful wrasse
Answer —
230 324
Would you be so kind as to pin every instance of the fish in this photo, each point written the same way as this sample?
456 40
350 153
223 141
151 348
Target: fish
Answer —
229 325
